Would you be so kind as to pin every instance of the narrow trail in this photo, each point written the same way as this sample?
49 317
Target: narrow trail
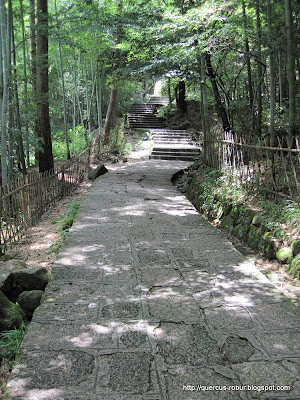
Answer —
149 301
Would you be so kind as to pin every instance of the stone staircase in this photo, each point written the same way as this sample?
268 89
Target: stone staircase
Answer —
169 144
172 144
143 116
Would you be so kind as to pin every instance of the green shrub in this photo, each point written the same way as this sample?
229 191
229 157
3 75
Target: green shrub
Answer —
78 141
10 341
67 218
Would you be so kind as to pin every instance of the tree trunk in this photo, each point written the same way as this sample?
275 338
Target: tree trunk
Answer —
272 76
62 75
21 154
220 107
290 66
11 121
32 45
3 28
46 162
169 91
114 91
207 148
180 98
25 85
259 71
110 115
247 54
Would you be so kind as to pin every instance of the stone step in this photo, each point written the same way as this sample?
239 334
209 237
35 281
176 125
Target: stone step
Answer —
171 143
145 125
168 133
184 157
180 150
158 100
172 138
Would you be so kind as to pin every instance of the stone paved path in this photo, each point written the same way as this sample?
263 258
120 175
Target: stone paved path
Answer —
150 301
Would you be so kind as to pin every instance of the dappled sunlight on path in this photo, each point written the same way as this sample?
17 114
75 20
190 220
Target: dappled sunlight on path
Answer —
149 300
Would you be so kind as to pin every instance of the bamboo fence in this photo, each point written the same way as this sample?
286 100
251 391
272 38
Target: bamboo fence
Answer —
257 165
24 200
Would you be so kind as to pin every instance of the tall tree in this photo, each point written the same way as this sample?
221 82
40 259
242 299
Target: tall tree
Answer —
259 70
114 91
272 74
5 67
221 110
42 89
290 66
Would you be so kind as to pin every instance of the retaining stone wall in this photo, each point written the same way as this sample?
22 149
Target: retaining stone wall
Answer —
248 225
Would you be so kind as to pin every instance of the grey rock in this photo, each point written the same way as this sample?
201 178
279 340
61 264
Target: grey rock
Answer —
295 246
11 314
34 278
7 269
127 373
55 369
237 349
29 301
95 173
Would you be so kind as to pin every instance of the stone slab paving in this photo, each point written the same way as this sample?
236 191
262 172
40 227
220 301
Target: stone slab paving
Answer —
150 302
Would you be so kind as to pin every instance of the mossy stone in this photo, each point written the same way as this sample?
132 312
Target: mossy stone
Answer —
235 212
246 215
269 245
284 255
254 237
295 246
224 210
95 173
227 222
294 269
257 220
11 314
240 231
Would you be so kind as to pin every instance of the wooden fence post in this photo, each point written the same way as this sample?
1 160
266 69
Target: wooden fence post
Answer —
62 183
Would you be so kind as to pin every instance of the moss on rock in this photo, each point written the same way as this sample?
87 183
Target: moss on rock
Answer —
240 231
294 268
284 255
254 237
235 213
11 314
257 220
227 222
295 246
269 245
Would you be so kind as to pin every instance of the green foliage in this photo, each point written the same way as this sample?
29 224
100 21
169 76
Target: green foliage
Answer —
222 186
291 213
66 221
78 142
10 341
285 212
117 142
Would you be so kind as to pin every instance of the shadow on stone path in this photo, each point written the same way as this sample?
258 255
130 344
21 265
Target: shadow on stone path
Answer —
149 301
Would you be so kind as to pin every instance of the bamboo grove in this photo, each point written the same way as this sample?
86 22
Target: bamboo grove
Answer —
68 68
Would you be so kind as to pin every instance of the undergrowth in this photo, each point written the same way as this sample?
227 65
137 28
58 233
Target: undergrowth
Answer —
222 188
64 223
219 189
10 341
